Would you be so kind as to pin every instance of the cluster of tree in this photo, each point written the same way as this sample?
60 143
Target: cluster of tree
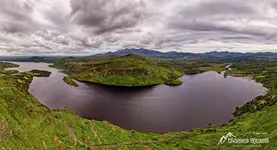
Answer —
256 105
263 71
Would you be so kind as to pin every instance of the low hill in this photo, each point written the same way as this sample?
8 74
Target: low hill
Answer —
129 70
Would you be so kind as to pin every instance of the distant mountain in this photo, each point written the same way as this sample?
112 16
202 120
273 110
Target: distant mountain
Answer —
31 58
174 54
147 52
141 52
226 54
180 54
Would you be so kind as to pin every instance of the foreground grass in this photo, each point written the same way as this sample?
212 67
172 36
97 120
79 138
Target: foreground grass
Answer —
26 124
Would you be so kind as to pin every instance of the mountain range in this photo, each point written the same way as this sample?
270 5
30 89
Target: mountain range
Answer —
146 52
150 53
174 54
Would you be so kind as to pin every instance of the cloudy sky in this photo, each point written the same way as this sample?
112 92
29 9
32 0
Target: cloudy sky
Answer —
83 27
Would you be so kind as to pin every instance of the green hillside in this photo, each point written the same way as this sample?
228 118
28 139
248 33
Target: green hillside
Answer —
129 70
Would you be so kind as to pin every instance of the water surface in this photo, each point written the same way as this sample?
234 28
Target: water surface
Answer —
202 99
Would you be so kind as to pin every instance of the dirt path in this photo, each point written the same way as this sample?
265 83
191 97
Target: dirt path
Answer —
95 135
74 136
4 126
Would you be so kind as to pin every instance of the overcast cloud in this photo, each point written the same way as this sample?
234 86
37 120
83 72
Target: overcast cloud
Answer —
83 27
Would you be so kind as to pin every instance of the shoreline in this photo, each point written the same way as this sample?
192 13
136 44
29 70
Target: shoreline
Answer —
150 86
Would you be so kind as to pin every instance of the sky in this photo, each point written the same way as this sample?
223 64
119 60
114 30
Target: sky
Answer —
84 27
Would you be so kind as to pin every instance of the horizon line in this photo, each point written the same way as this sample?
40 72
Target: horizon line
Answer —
93 54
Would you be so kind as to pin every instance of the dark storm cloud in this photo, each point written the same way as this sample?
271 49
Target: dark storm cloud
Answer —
220 27
274 4
107 16
16 9
15 16
218 8
218 15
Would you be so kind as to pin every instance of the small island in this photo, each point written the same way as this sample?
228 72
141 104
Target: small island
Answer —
40 73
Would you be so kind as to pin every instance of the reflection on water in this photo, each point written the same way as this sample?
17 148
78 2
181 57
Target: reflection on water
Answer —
202 99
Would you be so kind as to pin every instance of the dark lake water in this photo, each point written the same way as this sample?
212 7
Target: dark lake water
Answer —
202 99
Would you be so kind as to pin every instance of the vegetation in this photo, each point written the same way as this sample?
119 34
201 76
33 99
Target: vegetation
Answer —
130 70
262 71
196 65
4 65
69 81
26 124
213 67
174 82
40 73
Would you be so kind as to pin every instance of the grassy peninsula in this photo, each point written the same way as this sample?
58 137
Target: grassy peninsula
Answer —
70 81
129 70
4 65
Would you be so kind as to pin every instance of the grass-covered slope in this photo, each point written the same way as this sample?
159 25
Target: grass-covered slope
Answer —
26 124
129 70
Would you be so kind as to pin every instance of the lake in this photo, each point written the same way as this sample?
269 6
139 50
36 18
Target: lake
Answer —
202 99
